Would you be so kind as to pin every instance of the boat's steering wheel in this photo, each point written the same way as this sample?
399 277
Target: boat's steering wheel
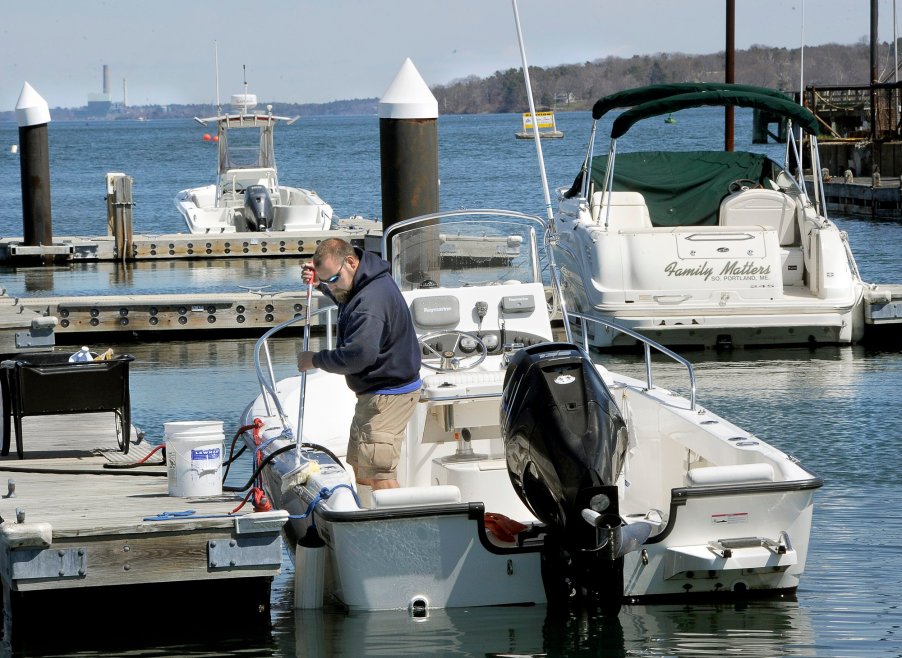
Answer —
445 357
742 184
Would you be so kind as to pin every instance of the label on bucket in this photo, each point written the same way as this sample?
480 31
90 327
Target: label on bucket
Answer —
205 453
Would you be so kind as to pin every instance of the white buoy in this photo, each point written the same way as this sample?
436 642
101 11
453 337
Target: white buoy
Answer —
14 149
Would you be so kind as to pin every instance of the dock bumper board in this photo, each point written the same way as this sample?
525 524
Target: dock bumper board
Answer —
261 522
41 250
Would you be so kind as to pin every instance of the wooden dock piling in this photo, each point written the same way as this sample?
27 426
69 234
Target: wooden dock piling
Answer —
119 213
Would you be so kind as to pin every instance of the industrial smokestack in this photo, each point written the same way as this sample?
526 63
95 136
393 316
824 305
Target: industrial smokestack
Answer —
106 78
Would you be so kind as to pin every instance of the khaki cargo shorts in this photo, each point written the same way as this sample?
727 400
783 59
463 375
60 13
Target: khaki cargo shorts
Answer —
379 425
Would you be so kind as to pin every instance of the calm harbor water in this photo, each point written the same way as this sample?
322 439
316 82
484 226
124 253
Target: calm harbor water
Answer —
836 409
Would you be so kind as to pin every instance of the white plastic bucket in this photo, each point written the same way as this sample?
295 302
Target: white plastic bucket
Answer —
194 457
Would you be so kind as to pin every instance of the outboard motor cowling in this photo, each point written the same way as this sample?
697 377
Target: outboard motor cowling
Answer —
258 208
563 432
565 442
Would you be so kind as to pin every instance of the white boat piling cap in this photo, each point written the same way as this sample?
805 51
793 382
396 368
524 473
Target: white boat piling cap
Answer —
408 96
31 108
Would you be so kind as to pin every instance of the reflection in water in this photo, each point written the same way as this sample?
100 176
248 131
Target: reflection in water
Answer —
90 279
757 629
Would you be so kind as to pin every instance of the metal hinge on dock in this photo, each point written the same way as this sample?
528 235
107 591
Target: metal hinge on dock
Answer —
48 563
245 551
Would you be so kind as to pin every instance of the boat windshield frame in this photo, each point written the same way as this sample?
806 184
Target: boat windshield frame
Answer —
464 248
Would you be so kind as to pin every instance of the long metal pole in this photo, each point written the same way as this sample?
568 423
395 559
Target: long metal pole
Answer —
730 77
874 80
535 122
303 391
802 84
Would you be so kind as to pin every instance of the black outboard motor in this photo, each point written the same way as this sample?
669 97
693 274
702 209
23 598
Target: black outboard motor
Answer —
258 210
565 441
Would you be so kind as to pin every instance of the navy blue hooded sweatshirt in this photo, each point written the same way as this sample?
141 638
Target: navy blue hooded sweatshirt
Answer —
377 344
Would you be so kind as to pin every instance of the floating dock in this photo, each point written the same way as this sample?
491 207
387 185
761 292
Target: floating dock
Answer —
863 197
157 317
363 232
86 545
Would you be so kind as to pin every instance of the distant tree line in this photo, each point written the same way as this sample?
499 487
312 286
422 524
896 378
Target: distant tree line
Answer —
578 86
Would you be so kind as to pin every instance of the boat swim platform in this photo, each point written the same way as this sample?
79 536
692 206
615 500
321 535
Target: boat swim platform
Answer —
79 535
365 233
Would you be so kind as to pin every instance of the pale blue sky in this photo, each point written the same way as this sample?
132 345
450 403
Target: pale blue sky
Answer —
316 51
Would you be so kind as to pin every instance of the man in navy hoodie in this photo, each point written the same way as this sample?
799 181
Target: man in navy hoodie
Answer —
377 352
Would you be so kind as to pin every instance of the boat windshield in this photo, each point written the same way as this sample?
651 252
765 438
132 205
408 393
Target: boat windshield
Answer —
451 252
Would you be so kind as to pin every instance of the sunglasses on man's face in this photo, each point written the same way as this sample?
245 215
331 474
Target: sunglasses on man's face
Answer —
332 279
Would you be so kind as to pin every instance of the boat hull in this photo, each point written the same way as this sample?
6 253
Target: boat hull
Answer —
304 211
428 551
705 286
680 566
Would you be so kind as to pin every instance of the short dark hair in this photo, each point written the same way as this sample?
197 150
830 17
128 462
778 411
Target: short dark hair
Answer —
334 248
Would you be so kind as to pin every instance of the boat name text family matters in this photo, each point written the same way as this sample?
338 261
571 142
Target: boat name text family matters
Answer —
731 271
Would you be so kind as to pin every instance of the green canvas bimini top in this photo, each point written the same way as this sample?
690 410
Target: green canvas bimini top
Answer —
801 116
655 100
639 95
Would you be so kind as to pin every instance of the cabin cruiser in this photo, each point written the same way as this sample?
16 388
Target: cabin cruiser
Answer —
705 248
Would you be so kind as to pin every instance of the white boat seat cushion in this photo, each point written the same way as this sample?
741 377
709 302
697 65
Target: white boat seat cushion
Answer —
412 496
738 474
760 207
628 210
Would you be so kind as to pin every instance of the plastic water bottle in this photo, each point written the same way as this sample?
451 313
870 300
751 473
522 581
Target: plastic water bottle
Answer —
82 355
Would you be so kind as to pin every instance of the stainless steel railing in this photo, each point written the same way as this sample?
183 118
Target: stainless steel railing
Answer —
647 343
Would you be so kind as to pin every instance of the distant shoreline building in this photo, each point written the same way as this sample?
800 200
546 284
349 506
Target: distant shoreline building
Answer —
99 105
